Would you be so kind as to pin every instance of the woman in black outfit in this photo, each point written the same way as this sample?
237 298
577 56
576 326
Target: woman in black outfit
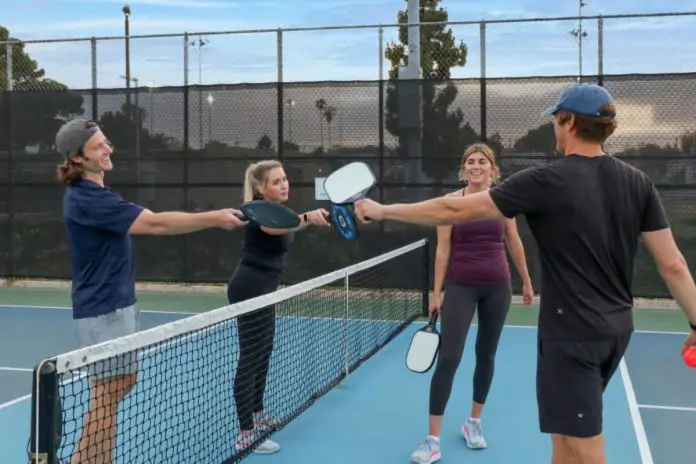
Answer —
258 273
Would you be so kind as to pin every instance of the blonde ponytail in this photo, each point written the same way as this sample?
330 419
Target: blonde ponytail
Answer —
255 177
248 183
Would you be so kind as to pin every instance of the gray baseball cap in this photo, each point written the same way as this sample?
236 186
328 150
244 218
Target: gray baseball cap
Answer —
73 135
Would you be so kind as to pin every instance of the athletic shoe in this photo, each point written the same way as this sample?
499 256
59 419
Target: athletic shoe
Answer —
263 421
246 438
473 434
428 452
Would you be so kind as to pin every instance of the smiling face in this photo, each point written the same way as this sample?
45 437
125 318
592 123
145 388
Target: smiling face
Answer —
276 187
478 169
478 166
96 155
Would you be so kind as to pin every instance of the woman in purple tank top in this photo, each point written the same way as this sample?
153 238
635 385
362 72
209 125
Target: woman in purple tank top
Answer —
471 265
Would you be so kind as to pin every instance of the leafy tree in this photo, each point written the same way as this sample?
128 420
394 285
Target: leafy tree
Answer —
445 134
122 130
37 103
321 105
540 141
265 143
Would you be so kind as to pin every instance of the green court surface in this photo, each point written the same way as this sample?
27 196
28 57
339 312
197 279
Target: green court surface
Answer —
646 319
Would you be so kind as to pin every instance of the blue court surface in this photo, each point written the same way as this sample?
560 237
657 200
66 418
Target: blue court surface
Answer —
379 415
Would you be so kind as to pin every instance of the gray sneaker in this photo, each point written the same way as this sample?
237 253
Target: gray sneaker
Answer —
473 434
427 453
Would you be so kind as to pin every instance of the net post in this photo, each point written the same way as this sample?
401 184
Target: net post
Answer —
346 321
426 278
46 415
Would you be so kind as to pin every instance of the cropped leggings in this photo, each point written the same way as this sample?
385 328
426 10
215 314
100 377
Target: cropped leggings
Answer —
458 306
256 332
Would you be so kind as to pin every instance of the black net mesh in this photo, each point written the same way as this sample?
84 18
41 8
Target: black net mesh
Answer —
253 365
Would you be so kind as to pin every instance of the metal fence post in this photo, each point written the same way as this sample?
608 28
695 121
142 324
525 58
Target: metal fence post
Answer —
185 154
9 97
279 92
9 65
484 116
600 51
95 86
380 110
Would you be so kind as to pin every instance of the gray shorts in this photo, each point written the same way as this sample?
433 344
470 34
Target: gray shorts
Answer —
98 329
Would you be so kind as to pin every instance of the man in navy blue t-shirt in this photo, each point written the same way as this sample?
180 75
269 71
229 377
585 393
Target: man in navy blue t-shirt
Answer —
587 212
99 225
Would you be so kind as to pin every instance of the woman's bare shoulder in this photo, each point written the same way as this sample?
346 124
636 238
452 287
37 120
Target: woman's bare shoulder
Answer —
458 193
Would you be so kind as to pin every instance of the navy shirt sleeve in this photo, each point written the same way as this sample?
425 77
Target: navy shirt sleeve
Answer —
105 209
654 216
527 192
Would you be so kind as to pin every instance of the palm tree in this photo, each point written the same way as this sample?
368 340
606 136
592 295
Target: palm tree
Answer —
329 113
321 106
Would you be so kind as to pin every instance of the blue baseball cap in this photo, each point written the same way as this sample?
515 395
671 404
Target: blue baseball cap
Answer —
584 99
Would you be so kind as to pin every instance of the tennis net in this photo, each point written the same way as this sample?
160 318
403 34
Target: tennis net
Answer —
195 380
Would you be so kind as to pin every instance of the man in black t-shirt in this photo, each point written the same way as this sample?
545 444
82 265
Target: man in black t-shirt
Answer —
587 211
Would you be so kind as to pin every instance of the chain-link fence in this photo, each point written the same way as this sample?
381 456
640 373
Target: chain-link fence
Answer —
187 146
594 45
165 161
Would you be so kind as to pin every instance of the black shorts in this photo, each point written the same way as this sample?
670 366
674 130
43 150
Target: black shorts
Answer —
571 379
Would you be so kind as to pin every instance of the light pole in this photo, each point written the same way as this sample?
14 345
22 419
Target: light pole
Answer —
291 104
200 43
151 88
210 100
137 127
126 19
580 34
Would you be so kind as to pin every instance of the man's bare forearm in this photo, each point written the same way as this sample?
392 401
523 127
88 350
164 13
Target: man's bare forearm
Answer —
681 285
443 210
175 222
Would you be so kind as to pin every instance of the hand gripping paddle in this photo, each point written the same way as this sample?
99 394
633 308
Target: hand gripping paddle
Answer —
424 347
349 183
270 214
343 221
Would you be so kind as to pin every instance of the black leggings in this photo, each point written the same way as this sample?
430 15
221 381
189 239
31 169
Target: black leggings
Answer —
256 332
458 308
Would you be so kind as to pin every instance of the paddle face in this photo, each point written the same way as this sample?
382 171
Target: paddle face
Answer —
349 183
343 221
270 214
424 347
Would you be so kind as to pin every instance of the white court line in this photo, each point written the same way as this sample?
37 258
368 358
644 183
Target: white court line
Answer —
666 408
14 401
187 313
154 311
16 369
641 436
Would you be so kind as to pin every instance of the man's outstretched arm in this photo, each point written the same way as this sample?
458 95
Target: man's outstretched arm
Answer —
533 190
443 210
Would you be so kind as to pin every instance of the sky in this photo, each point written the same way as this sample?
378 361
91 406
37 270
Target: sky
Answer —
512 50
651 45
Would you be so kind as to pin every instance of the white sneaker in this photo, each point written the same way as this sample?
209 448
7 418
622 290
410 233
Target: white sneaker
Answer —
245 439
473 434
428 452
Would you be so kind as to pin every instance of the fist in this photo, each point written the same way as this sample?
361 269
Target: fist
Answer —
318 217
368 210
230 219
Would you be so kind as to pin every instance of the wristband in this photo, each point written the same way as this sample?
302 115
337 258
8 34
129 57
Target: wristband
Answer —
304 218
693 326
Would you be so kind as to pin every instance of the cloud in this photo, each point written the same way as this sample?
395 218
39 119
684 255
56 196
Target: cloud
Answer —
207 4
142 25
